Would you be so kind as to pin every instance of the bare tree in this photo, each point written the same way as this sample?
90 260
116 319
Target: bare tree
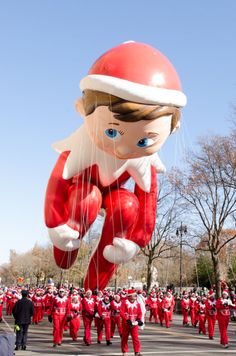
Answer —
163 240
208 187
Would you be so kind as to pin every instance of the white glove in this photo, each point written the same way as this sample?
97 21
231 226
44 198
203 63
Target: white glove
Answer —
64 237
121 251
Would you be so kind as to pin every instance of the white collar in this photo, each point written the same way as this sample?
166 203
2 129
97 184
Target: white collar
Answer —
131 305
61 300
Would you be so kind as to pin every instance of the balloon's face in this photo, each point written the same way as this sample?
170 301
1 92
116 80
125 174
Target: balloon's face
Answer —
126 140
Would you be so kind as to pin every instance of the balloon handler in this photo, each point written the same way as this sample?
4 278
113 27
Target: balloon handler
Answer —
131 103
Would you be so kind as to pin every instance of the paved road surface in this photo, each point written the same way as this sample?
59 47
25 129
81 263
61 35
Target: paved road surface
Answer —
155 340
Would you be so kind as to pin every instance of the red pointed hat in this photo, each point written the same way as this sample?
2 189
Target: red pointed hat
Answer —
131 292
136 72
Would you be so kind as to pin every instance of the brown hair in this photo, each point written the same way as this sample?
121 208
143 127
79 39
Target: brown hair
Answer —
127 110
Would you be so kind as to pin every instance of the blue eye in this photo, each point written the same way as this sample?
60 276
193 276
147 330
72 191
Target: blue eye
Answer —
145 142
111 133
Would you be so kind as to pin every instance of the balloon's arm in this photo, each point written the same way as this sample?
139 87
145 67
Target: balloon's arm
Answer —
55 209
144 227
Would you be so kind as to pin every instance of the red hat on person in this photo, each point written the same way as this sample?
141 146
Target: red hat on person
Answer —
131 292
225 292
136 72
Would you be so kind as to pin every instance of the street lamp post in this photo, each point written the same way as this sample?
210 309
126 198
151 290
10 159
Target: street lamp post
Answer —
182 229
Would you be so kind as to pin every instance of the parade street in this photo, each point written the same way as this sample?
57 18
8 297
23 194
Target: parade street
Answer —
155 340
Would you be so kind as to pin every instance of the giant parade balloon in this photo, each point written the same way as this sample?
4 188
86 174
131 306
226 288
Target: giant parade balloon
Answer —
131 102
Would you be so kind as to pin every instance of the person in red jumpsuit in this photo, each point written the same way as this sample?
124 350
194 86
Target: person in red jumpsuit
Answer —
185 307
129 110
115 315
60 309
192 307
88 310
8 301
166 308
12 298
74 317
211 313
104 312
223 306
48 297
201 311
131 315
152 304
98 297
38 302
160 310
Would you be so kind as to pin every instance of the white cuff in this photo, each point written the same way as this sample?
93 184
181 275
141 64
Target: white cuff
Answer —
64 237
121 251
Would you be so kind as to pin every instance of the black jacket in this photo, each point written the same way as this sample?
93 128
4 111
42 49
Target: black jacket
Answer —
23 311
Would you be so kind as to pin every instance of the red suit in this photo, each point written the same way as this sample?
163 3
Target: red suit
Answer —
153 307
192 306
8 302
196 305
115 317
104 311
38 308
88 308
201 311
48 298
160 310
211 313
166 308
11 299
223 316
59 311
130 313
74 326
185 306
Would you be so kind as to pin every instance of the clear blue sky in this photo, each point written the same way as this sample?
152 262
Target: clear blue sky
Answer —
47 46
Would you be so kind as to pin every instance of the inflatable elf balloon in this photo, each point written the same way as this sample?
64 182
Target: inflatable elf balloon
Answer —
131 102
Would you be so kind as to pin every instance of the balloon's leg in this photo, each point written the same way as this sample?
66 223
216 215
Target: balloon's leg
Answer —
122 209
